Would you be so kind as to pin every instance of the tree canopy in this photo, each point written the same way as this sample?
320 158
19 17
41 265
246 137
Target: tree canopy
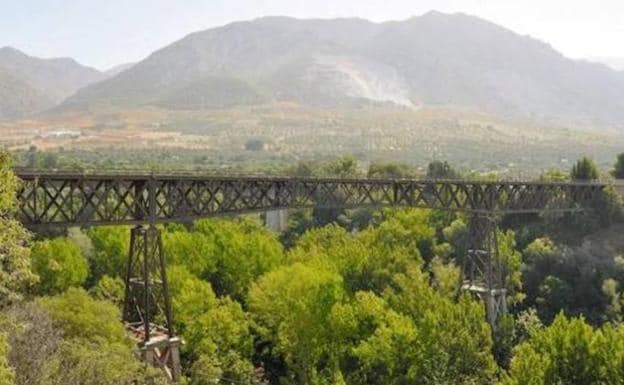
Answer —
59 263
584 169
15 264
441 170
618 168
569 352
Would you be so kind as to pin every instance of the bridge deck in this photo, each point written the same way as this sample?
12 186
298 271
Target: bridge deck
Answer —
79 198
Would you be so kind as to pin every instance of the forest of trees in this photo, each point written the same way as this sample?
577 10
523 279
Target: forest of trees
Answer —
342 297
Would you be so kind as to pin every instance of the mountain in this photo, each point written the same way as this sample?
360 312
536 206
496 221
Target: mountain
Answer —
116 70
29 84
435 59
616 63
18 97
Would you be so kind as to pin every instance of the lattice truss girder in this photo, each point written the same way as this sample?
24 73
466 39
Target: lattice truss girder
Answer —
89 199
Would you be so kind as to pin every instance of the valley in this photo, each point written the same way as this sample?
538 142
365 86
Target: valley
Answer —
290 132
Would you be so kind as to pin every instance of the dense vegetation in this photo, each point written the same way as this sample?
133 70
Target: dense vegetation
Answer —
342 297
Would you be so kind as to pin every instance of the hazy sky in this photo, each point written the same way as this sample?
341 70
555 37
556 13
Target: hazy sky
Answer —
104 33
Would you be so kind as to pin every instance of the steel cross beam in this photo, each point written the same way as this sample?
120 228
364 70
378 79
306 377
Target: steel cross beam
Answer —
72 198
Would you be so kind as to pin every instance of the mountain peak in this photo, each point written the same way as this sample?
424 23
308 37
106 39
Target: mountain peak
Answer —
438 15
434 14
10 51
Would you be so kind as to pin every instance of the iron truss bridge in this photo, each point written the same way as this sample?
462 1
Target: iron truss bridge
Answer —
74 198
80 199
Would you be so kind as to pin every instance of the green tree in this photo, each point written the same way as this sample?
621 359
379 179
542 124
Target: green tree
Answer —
299 221
191 297
409 229
94 348
456 233
111 245
194 250
441 170
222 341
613 311
332 247
343 167
109 289
376 344
554 295
366 261
59 264
414 334
242 251
555 175
584 169
219 342
390 170
291 306
206 370
15 268
569 352
49 160
445 276
618 168
511 262
7 375
454 339
87 362
83 317
538 258
571 279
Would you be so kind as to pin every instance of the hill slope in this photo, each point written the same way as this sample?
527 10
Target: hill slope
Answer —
116 70
434 59
30 84
18 98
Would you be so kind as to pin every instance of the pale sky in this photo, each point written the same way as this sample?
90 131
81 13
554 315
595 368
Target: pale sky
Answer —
104 33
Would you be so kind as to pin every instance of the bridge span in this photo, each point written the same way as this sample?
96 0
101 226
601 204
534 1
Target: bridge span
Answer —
75 198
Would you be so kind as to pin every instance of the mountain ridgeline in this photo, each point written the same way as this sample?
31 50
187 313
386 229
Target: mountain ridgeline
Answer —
434 59
437 59
29 85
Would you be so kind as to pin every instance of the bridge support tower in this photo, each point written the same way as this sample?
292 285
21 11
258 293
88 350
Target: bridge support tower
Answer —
276 220
147 304
483 271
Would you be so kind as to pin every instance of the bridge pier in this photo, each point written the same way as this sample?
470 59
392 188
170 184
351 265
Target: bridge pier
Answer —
276 220
147 300
482 268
